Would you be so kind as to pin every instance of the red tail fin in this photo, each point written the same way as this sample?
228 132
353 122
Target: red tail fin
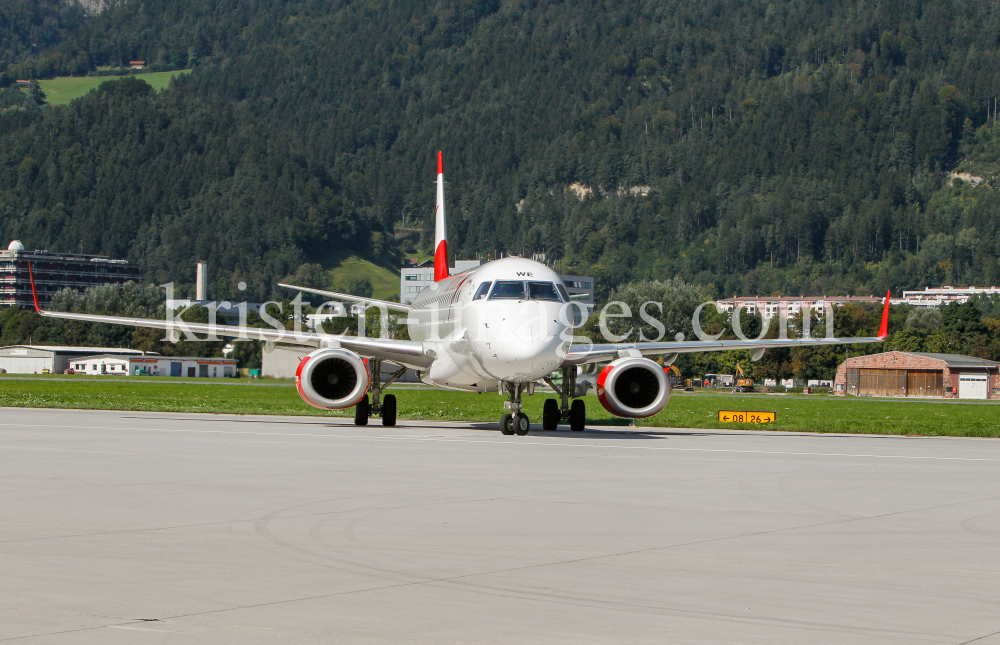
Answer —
883 331
34 294
440 228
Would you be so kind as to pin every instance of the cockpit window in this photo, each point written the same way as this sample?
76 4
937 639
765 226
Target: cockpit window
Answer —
542 291
563 292
481 292
508 290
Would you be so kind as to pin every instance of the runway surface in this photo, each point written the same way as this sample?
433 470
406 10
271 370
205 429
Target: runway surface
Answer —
121 527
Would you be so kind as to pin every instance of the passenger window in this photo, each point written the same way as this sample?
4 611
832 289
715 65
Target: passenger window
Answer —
542 291
508 290
481 292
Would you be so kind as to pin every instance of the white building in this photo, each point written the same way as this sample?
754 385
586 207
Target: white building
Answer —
768 307
413 280
52 359
938 296
582 286
186 366
931 297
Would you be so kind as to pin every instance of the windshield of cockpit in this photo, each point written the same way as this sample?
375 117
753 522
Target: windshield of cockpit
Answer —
518 290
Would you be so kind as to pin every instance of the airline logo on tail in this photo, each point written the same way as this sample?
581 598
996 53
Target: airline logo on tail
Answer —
440 232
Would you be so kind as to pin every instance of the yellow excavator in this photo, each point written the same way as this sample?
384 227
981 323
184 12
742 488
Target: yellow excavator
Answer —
678 380
743 384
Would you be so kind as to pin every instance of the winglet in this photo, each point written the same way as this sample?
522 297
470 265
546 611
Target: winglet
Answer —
883 330
34 293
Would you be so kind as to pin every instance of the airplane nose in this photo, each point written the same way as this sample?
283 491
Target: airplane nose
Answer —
521 342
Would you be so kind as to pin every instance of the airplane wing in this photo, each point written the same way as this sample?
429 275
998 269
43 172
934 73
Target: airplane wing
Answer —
344 296
404 352
601 353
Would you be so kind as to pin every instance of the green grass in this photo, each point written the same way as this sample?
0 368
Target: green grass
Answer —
819 414
62 90
385 283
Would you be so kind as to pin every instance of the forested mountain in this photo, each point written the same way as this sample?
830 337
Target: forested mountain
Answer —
750 147
30 27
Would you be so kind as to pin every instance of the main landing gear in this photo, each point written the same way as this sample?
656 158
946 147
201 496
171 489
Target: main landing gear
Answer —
553 412
380 406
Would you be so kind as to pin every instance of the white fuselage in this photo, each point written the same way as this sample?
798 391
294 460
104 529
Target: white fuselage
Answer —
516 329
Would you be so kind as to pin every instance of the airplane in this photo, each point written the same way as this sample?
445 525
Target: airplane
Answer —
503 326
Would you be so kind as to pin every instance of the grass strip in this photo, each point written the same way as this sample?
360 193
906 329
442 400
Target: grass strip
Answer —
819 414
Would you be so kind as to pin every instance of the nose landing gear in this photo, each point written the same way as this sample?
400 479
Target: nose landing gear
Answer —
516 421
515 424
380 406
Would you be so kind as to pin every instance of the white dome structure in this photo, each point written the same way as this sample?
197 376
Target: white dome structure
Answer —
16 246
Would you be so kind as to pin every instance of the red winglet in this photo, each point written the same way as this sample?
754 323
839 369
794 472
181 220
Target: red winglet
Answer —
34 294
883 331
440 162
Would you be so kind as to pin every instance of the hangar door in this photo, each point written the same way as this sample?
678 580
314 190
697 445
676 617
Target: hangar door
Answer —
972 386
25 364
924 383
879 382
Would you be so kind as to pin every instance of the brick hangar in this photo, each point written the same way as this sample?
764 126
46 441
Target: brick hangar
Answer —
919 374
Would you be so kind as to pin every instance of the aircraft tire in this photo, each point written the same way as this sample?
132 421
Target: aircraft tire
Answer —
389 410
521 424
550 414
578 416
362 411
506 427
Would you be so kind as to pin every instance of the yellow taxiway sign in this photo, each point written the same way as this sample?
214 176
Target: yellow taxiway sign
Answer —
740 416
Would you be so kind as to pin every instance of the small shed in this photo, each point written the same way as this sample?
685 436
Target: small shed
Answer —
919 374
137 64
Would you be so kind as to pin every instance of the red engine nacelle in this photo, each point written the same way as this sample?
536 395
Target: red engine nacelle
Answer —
633 387
332 379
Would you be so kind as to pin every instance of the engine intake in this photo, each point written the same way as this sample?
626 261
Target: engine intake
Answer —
633 387
332 379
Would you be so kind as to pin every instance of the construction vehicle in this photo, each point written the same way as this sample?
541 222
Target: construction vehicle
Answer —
743 384
718 381
676 378
674 374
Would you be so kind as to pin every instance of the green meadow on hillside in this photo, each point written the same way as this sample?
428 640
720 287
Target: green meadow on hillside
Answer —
62 90
385 283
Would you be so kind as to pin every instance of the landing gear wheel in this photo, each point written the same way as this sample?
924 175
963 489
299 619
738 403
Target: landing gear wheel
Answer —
550 414
506 427
577 416
362 411
389 410
521 424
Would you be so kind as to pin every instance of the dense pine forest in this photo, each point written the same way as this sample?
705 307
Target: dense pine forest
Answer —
747 147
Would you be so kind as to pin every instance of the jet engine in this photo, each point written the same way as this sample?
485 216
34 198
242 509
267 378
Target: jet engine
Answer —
332 379
633 387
